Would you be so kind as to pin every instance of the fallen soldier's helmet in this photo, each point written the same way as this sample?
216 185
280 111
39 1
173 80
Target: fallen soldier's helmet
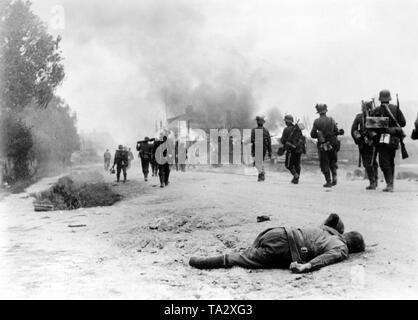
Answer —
335 222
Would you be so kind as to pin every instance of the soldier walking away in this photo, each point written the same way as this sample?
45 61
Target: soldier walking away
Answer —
389 137
293 142
266 147
299 249
107 156
121 162
163 156
145 153
326 131
363 137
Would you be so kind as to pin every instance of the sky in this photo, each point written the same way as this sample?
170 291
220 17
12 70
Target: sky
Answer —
122 59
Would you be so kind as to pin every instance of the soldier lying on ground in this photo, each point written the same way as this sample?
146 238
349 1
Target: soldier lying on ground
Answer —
299 249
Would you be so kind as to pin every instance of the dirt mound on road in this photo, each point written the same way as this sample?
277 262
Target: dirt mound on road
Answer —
73 192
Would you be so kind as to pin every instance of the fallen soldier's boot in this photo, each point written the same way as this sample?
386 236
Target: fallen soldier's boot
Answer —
335 222
208 263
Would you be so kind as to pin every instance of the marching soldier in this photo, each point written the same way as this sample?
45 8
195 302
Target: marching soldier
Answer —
121 162
293 141
145 154
163 156
266 147
388 138
326 131
364 139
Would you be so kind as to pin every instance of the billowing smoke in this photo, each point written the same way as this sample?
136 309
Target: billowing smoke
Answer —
188 66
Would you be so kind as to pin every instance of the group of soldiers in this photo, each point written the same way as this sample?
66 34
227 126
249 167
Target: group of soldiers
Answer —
148 153
377 131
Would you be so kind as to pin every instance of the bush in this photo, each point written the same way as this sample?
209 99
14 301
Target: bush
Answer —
68 195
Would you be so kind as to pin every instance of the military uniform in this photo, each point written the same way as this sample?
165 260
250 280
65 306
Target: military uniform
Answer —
326 131
279 247
387 151
145 154
163 157
293 141
258 163
367 150
121 162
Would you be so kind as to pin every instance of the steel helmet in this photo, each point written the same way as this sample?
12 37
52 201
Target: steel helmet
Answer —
321 108
384 96
288 118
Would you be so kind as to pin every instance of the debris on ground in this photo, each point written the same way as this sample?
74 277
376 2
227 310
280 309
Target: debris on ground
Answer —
263 218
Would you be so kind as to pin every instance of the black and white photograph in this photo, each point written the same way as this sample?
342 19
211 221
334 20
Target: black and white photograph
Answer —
208 150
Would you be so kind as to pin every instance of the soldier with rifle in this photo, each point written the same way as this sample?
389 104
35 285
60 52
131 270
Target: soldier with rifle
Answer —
145 149
364 140
326 131
294 144
389 135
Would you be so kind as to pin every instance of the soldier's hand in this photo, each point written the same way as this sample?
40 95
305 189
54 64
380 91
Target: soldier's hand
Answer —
299 267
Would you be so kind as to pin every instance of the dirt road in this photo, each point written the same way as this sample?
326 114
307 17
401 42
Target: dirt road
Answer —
139 248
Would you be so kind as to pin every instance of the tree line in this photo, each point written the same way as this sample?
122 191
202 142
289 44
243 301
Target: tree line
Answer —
37 127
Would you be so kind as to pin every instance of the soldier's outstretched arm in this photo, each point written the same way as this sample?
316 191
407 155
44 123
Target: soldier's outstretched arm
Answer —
329 257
